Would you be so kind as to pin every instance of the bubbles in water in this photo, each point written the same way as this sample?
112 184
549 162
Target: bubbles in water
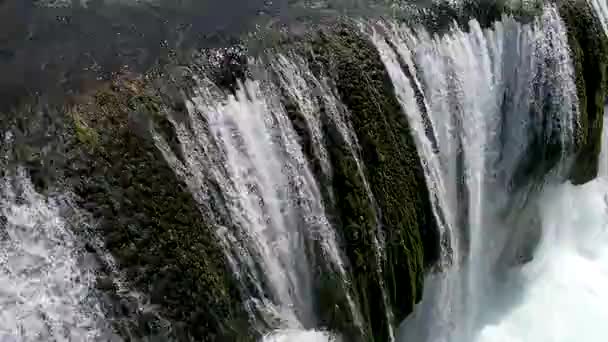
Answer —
44 293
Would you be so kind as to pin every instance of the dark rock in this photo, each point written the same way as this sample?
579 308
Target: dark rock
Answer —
106 284
589 46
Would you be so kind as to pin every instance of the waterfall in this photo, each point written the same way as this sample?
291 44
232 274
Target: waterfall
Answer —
478 101
46 288
276 233
565 283
293 192
601 9
274 195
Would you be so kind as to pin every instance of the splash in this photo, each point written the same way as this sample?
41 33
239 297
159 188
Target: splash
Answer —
45 292
564 288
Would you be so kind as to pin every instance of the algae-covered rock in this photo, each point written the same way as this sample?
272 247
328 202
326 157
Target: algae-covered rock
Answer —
149 220
392 168
589 48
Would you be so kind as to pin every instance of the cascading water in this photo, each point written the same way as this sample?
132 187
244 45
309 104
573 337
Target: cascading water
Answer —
564 297
483 104
493 111
280 233
601 9
469 96
46 292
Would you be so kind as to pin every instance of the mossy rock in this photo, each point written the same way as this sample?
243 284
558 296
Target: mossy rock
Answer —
401 205
149 219
589 48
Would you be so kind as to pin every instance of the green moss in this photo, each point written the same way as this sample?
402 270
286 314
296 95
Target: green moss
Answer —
394 173
589 48
151 223
85 134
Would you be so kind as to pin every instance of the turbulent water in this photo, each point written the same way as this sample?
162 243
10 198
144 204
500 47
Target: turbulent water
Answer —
472 124
46 288
565 283
563 295
278 235
469 97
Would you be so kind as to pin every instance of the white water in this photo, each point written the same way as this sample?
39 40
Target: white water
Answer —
45 294
267 173
601 8
291 335
472 126
564 295
560 296
247 145
469 80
